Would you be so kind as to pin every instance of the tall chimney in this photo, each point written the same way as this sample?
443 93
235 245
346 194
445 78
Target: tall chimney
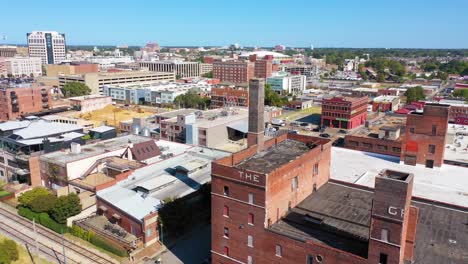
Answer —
256 113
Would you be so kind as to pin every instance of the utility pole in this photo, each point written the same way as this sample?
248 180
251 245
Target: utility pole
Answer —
63 249
35 236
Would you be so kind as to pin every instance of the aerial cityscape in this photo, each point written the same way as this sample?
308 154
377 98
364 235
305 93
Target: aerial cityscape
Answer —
234 133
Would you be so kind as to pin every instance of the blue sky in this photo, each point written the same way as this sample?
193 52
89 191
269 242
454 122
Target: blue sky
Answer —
323 23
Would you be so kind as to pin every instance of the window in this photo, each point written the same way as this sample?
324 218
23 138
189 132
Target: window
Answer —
226 211
249 241
148 232
226 232
434 130
294 183
411 130
384 235
226 251
251 198
382 147
310 259
431 148
383 258
226 190
249 260
367 145
316 169
250 219
396 149
279 251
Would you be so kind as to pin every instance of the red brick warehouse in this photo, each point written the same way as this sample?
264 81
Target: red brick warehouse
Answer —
344 112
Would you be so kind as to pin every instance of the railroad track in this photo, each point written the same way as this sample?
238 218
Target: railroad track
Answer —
78 249
27 240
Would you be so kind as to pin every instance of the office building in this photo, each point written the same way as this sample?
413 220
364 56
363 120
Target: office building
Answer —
153 93
286 84
180 68
344 112
425 137
97 81
47 45
205 68
237 72
71 68
7 51
23 66
22 99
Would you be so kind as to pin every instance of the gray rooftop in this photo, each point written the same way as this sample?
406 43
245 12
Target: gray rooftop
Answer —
148 185
275 156
339 216
175 113
42 128
102 129
13 125
64 157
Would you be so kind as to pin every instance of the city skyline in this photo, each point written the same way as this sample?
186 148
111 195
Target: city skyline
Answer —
332 24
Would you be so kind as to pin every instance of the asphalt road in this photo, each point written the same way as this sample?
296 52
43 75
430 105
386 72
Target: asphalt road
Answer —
192 249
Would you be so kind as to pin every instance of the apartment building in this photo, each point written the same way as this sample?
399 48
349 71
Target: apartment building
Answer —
48 45
180 68
97 81
23 99
237 72
225 96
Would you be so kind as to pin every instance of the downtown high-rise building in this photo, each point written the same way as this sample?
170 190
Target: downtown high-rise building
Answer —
47 45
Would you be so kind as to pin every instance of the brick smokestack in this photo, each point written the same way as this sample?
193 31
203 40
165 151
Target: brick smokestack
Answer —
390 217
256 113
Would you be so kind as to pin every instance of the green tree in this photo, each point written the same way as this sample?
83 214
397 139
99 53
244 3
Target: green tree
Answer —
191 99
28 197
461 93
73 89
414 94
8 251
208 75
362 72
381 77
65 207
43 204
274 99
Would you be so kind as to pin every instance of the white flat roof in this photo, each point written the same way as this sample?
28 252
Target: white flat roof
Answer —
447 184
456 147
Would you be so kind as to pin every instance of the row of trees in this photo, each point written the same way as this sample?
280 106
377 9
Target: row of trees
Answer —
40 200
192 99
452 67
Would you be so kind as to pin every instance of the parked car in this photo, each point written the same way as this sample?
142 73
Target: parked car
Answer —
293 132
304 124
343 131
278 122
324 135
295 124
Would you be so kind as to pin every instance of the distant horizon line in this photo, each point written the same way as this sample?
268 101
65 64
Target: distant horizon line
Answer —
265 47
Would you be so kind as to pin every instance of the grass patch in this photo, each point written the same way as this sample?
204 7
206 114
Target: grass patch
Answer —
24 255
3 193
299 114
88 244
